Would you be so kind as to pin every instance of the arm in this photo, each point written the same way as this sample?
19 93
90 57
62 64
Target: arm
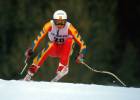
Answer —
78 39
41 36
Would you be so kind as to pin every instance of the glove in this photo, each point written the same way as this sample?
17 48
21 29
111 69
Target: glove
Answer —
29 52
80 58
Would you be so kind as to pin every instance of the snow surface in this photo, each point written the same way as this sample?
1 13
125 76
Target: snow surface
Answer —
21 90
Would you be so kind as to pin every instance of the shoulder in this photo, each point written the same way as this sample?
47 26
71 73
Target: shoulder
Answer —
68 24
48 25
72 28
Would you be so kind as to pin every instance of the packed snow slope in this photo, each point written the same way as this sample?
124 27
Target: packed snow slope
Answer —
21 90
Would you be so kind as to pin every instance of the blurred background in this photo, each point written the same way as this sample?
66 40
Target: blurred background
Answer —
110 28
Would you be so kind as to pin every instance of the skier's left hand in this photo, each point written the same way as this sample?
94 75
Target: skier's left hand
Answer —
29 52
80 58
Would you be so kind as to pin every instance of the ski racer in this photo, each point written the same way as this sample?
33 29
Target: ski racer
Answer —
62 36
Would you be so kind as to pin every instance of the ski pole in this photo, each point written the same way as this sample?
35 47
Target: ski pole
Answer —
26 64
104 72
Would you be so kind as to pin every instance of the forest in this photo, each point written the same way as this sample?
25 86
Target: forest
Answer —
110 29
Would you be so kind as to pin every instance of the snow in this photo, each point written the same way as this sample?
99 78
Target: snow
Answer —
21 90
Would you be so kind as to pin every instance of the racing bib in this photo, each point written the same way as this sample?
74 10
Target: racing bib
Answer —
59 35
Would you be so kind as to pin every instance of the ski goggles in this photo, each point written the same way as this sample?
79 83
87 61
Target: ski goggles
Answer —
59 22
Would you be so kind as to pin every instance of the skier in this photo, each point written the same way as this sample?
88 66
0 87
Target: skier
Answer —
62 35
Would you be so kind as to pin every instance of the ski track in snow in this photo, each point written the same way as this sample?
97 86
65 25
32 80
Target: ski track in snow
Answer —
21 90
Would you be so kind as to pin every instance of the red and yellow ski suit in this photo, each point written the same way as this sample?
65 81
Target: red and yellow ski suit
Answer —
60 45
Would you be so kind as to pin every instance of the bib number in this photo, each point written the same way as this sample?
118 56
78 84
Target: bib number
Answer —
59 40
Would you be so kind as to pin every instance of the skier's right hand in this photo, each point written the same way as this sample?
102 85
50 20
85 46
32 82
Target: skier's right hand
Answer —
29 52
80 58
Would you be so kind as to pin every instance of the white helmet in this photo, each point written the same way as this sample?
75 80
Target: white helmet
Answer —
59 14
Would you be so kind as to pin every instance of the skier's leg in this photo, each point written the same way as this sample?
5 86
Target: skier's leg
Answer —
38 61
63 68
61 71
32 69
